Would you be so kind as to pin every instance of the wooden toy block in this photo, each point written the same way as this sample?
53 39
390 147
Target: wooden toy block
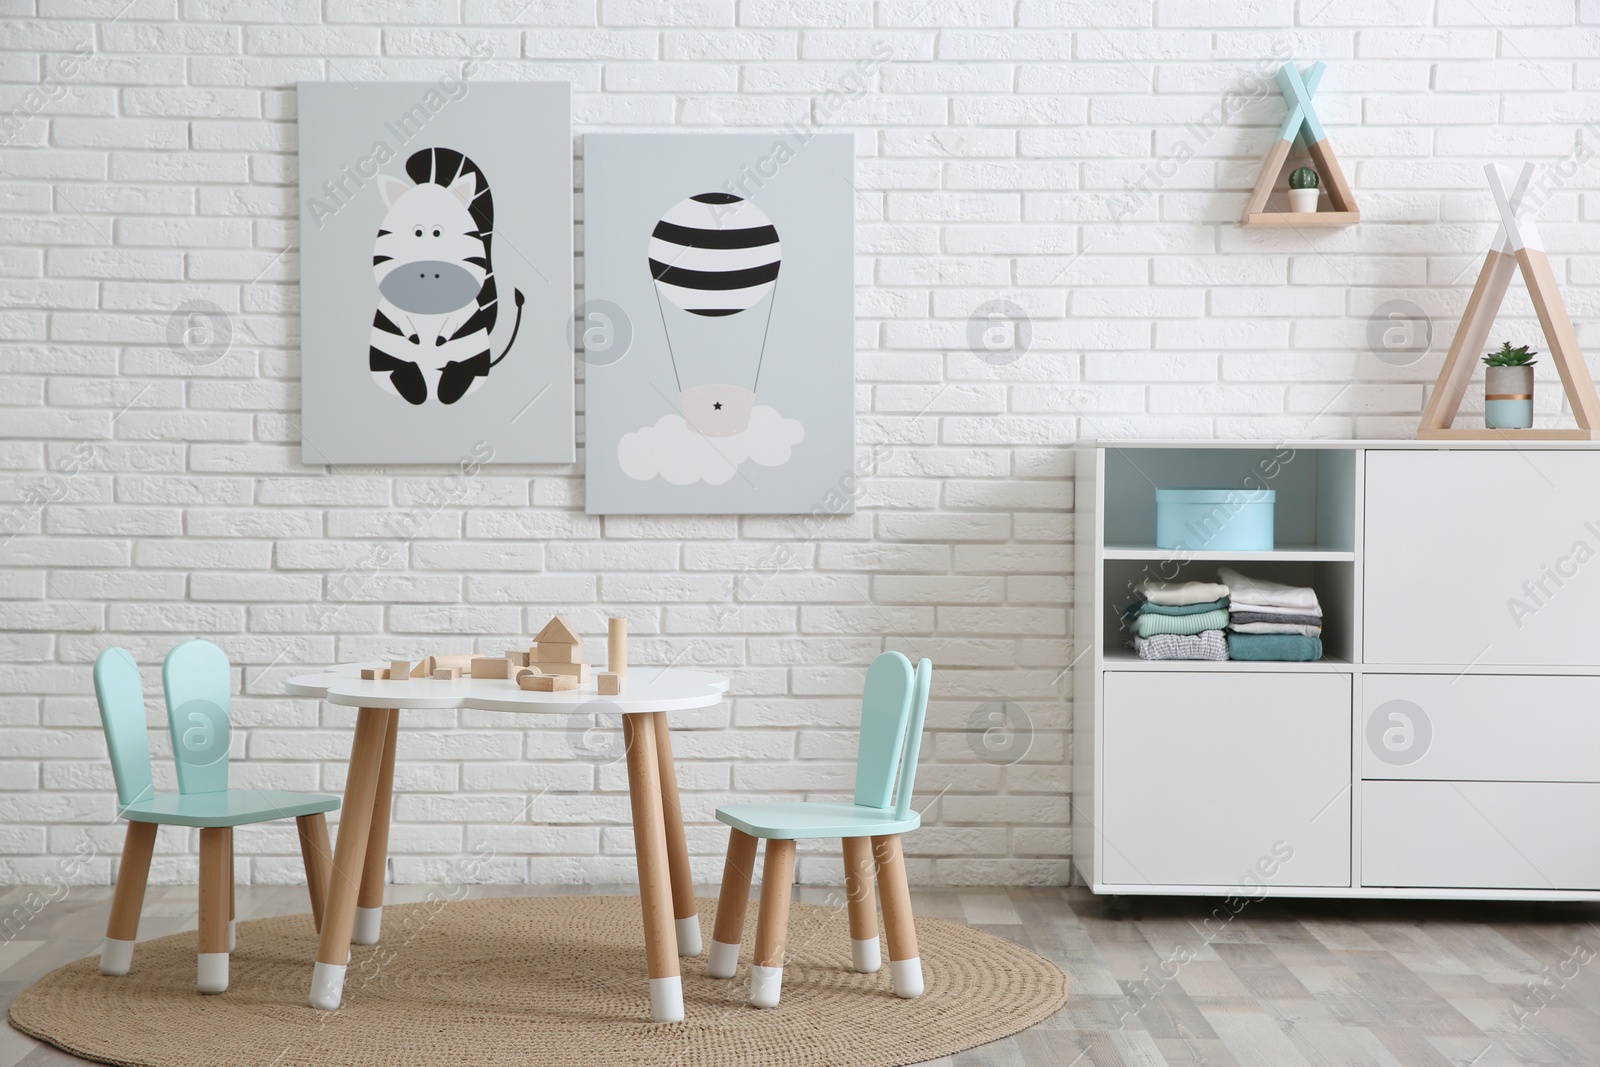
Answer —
462 663
446 674
610 683
371 674
518 658
424 668
490 667
558 631
399 668
526 675
617 646
546 652
550 683
579 672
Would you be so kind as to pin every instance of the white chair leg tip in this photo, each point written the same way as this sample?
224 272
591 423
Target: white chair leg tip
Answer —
213 972
722 961
116 957
688 936
368 926
766 986
907 976
666 1000
327 985
865 955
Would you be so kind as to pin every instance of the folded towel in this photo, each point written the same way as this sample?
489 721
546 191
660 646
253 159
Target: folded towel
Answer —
1286 648
1268 609
1261 592
1177 594
1274 628
1144 607
1208 645
1149 625
1236 618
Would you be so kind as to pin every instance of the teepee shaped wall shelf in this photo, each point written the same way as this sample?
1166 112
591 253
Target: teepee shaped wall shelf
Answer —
1516 245
1302 121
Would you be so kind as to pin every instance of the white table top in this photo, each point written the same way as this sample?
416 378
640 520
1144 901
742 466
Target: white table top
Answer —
646 689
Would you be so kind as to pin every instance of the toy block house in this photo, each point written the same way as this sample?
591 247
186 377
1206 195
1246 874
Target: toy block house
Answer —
558 642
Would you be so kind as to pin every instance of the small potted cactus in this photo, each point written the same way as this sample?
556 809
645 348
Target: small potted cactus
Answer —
1303 189
1508 388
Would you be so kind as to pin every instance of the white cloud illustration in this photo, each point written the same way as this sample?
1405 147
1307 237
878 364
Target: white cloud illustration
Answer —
671 450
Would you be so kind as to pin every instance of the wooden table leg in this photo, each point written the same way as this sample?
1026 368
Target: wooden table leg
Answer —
116 955
684 908
369 903
349 855
862 902
655 889
213 964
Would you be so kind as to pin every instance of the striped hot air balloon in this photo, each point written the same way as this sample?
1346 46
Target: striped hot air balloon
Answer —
715 254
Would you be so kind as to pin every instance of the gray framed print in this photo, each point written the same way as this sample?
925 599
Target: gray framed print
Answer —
436 272
718 323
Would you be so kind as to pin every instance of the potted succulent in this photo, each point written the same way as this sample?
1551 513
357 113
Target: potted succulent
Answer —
1303 189
1508 388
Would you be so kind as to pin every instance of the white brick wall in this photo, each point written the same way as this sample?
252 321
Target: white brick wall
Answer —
1085 161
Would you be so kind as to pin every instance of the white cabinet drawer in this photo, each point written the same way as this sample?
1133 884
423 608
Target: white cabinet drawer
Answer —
1480 835
1528 728
1485 557
1211 778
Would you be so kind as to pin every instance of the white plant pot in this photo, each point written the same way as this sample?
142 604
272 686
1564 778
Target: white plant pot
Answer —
1303 199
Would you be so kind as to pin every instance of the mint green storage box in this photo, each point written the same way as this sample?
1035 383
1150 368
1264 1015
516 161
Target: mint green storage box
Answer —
1238 520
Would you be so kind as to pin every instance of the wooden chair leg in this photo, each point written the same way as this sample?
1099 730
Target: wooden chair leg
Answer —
369 901
905 965
723 958
116 955
865 954
772 925
233 921
317 855
213 965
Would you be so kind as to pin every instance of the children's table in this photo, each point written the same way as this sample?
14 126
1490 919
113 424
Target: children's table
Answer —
353 911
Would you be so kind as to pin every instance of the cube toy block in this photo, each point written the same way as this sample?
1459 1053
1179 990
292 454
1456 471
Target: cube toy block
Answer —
610 683
399 668
446 674
550 683
372 674
461 663
578 672
545 652
517 658
490 667
424 668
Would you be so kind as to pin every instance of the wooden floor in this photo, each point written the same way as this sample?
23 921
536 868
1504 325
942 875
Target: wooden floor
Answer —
1154 980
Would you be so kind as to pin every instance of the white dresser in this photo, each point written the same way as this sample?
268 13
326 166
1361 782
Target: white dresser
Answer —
1448 745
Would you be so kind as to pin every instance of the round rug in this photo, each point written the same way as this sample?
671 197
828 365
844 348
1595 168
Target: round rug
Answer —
537 980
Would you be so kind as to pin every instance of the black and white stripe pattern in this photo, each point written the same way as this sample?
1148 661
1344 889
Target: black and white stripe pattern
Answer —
715 254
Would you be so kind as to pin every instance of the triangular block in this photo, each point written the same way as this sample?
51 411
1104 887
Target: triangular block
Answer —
559 631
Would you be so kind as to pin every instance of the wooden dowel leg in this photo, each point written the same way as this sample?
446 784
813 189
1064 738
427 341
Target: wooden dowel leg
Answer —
214 878
772 924
655 889
865 954
723 959
116 955
233 920
344 880
369 903
684 909
905 965
317 855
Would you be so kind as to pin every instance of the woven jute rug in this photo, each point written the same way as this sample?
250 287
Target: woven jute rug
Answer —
536 980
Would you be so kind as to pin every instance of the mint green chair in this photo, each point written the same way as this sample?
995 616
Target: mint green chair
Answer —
197 680
894 703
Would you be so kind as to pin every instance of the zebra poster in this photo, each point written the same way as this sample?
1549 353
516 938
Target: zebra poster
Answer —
718 323
436 272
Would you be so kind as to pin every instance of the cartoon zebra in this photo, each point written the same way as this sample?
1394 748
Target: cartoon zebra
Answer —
437 301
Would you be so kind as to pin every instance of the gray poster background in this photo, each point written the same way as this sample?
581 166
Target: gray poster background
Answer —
520 135
808 371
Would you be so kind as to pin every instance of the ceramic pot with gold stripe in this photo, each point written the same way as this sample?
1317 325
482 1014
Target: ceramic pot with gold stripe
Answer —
1508 398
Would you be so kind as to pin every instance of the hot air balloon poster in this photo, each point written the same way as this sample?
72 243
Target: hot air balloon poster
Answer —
718 323
436 272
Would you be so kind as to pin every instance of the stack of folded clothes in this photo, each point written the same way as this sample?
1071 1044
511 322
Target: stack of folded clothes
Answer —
1179 620
1271 621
